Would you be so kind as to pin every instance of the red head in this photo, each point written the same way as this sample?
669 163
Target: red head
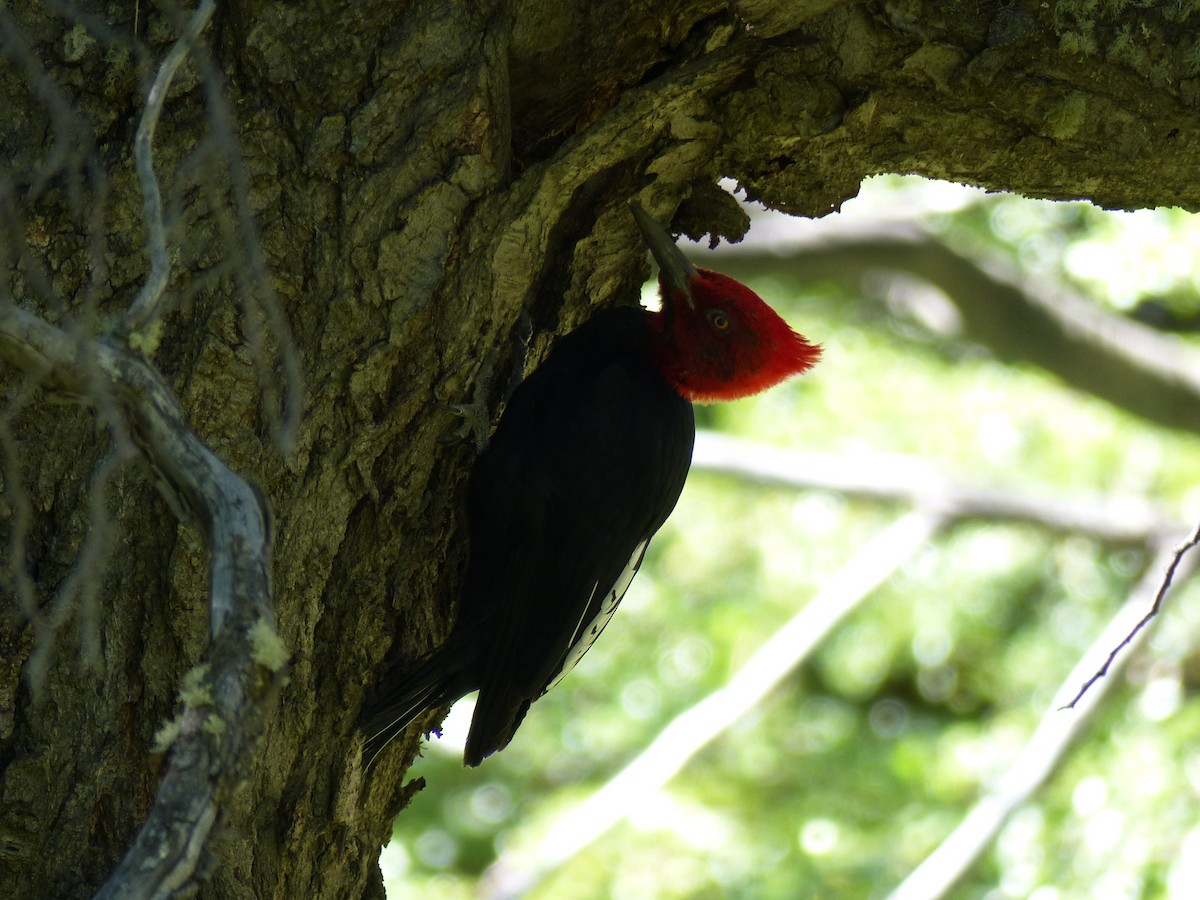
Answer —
718 340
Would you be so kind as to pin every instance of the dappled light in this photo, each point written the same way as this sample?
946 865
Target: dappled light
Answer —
844 667
328 402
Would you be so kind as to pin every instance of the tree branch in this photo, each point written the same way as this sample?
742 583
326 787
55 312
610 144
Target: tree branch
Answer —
1118 520
145 307
226 699
1164 585
1057 730
937 501
1150 374
692 730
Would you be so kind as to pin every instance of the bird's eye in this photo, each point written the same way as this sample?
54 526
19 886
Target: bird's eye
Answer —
719 319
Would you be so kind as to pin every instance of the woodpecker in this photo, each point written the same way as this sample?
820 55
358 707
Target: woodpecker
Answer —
587 462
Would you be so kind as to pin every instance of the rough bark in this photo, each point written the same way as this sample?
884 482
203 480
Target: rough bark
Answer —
421 176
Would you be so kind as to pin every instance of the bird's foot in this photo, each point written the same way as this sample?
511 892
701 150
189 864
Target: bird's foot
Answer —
474 422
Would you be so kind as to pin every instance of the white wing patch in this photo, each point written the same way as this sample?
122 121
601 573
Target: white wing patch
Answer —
586 632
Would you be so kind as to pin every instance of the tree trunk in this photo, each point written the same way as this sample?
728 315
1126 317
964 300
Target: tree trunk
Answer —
368 200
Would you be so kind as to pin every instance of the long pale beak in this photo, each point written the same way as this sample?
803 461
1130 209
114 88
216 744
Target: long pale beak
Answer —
675 270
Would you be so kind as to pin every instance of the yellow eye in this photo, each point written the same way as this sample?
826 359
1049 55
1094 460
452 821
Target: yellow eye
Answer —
719 319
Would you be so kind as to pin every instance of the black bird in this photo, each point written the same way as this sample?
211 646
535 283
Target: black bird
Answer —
586 464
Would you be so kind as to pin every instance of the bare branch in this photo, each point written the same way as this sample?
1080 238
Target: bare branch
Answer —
144 309
938 501
693 729
226 698
1057 730
1117 520
1152 375
17 498
283 404
1121 520
1163 586
81 587
214 738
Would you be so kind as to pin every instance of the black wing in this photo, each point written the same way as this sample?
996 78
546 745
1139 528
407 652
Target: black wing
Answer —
587 463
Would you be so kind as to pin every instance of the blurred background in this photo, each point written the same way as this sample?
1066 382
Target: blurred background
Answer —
904 566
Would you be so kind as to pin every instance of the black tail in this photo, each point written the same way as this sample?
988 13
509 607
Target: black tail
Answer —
402 696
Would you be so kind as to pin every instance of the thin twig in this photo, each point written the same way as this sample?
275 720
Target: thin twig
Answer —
282 409
1055 733
80 590
1163 586
693 729
144 309
904 479
17 497
218 729
939 501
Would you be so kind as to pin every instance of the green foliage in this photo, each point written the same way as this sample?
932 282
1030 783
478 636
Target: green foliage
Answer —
860 765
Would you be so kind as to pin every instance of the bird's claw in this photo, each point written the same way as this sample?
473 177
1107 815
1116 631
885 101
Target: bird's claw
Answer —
474 422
